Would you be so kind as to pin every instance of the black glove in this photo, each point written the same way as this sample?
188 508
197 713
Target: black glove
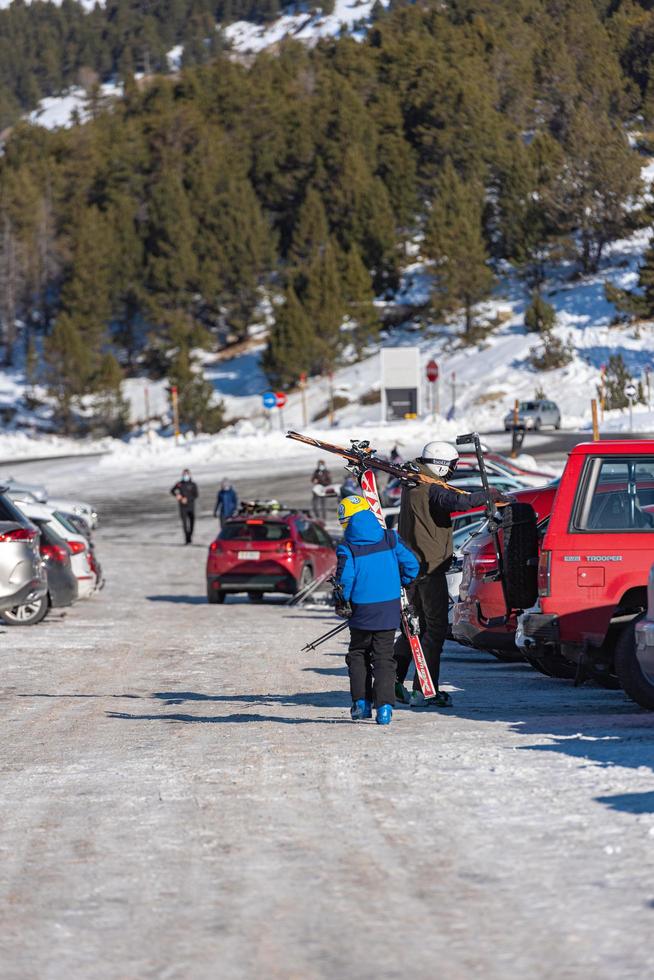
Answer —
343 609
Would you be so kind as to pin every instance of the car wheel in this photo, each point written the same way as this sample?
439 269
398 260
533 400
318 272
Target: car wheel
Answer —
635 672
27 615
306 576
537 425
557 425
508 656
215 596
256 597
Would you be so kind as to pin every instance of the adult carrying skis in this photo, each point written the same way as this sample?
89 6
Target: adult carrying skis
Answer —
186 493
373 565
425 525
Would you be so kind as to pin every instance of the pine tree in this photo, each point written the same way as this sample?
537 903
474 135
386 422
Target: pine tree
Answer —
454 240
311 231
290 345
111 410
67 368
616 379
198 409
12 280
323 305
639 304
358 298
540 316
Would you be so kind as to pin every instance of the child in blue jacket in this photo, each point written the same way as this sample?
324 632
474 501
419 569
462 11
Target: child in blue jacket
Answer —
373 565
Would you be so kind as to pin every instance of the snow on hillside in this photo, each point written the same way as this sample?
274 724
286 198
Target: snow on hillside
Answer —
246 37
87 4
61 111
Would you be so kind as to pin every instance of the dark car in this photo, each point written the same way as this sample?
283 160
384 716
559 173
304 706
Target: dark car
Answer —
62 583
268 553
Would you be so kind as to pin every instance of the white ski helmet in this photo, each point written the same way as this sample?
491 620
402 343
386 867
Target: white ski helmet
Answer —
440 458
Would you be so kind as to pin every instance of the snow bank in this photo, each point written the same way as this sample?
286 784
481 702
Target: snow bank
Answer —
246 37
60 112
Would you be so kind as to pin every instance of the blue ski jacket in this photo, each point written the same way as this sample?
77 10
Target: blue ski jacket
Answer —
226 502
372 565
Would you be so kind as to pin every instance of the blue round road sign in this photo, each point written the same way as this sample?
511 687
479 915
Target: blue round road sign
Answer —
269 399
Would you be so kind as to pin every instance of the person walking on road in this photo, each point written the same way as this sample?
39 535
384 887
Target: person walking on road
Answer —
226 502
372 566
186 493
425 525
321 479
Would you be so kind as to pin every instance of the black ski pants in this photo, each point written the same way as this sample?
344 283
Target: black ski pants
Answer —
372 666
187 515
430 600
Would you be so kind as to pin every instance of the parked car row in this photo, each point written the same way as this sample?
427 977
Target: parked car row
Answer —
47 555
576 555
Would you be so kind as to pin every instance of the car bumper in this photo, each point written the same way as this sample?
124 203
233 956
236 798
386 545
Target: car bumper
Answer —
30 592
245 582
468 629
538 629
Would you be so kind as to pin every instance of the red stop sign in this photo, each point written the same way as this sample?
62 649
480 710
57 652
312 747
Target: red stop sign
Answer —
281 399
432 371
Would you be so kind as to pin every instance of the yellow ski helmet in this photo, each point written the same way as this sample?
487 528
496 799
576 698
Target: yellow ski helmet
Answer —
350 506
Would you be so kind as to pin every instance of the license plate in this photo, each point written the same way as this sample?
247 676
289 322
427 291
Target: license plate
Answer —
249 555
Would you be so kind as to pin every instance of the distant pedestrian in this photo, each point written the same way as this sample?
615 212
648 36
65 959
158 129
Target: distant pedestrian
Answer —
226 502
186 493
372 566
321 479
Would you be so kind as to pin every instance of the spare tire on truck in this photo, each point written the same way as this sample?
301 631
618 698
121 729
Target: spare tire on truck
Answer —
520 553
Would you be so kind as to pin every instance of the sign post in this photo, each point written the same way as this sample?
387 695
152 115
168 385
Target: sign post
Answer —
303 389
280 401
593 407
630 392
175 400
432 378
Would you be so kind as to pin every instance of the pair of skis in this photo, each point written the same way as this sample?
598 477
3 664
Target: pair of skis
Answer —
362 462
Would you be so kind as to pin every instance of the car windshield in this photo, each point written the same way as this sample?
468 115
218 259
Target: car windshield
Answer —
255 529
64 521
528 406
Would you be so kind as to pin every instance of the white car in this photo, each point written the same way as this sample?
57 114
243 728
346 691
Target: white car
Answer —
77 507
78 544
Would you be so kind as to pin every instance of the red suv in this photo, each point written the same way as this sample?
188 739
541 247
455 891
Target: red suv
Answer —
268 553
594 565
479 616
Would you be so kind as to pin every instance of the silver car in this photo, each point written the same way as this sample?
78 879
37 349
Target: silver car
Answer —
37 490
534 415
23 579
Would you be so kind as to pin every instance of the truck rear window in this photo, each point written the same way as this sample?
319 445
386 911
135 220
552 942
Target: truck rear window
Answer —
617 495
255 530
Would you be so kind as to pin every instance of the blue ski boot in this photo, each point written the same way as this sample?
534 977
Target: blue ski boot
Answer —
361 709
384 714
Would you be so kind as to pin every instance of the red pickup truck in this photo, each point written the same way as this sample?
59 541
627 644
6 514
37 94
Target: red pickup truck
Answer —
593 565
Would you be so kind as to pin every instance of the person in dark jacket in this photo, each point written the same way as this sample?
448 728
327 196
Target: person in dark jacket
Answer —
226 502
425 524
186 493
320 479
372 566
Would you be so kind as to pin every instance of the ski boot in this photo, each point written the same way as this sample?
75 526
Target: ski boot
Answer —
401 694
384 714
361 709
440 700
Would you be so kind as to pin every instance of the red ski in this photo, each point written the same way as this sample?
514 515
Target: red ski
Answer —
409 625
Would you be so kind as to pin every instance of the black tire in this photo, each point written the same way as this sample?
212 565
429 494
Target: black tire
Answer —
557 425
306 576
27 615
215 596
634 681
520 540
537 425
553 665
508 656
255 597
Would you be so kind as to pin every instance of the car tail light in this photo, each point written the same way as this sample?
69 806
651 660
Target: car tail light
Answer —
544 573
287 547
55 553
214 546
257 520
77 547
19 534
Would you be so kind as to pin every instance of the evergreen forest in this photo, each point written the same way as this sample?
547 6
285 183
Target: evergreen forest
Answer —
492 131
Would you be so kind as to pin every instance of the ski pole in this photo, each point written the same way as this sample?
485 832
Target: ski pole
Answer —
325 637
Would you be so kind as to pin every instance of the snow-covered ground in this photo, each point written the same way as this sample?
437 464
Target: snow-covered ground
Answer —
350 15
61 111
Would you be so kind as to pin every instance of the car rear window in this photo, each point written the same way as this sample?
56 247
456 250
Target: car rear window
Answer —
528 406
255 530
9 512
617 494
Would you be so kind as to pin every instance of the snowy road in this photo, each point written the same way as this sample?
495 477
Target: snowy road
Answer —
183 796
